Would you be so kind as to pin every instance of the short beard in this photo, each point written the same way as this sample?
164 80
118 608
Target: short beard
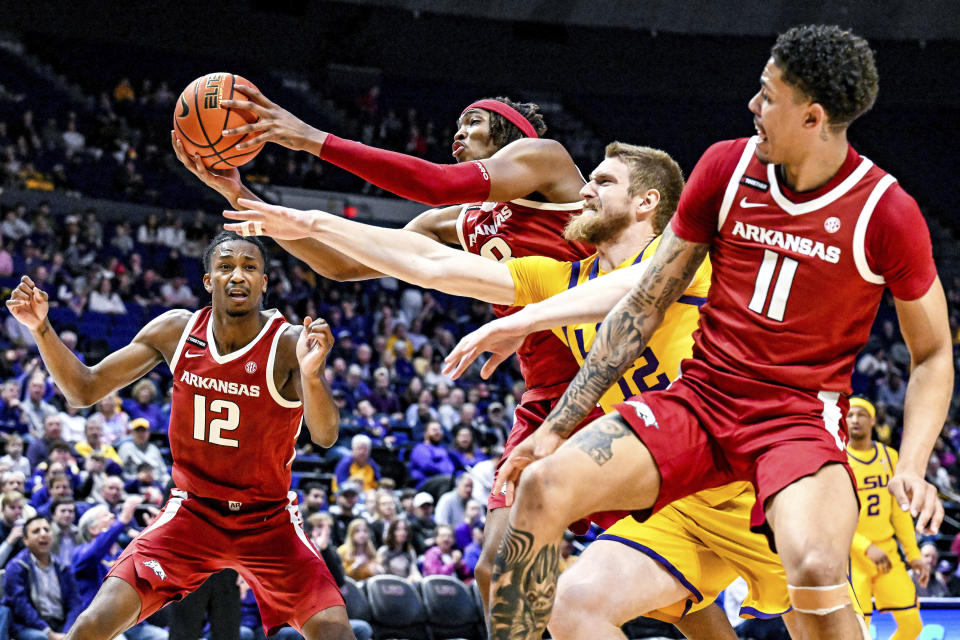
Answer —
596 226
240 314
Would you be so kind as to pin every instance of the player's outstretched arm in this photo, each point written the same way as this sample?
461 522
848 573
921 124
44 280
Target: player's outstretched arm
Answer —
320 414
589 302
520 168
82 386
326 261
926 332
399 253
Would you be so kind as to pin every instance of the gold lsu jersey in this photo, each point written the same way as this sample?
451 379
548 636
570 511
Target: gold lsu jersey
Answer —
881 519
538 278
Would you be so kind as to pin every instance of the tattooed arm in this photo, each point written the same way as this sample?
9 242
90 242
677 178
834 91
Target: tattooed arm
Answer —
627 328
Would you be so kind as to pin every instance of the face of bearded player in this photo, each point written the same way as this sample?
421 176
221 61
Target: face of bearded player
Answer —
472 140
608 207
236 280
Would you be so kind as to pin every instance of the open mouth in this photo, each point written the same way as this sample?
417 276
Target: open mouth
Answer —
238 295
760 132
458 148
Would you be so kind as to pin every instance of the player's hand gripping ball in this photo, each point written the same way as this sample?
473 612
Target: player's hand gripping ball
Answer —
199 121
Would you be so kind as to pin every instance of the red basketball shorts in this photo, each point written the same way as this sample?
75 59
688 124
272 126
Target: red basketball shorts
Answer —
528 416
710 428
195 537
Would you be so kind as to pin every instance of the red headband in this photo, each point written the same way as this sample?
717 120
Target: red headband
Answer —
508 112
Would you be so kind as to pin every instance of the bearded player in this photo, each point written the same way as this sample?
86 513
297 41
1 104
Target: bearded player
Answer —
522 190
876 570
244 379
694 548
804 236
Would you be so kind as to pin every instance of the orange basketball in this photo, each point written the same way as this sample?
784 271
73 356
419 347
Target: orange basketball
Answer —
199 121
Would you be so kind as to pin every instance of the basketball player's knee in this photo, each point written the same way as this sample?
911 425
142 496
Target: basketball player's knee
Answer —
541 490
819 600
818 565
573 611
92 624
484 568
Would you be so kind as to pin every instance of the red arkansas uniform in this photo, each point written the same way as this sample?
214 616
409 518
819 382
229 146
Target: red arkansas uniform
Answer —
232 438
505 230
797 280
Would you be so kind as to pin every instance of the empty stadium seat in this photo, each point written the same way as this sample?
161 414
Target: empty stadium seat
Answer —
395 609
451 610
357 606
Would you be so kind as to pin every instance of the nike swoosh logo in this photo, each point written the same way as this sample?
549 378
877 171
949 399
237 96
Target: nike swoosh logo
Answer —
747 205
184 106
191 354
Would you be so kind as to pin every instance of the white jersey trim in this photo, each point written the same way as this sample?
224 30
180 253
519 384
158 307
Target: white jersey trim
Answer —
297 521
832 415
271 383
555 206
460 222
860 231
191 323
734 185
230 357
818 203
169 511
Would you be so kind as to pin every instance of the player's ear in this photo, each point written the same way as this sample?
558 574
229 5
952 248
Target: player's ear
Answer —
815 116
263 287
206 283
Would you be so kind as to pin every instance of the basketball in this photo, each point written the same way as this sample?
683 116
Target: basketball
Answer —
199 121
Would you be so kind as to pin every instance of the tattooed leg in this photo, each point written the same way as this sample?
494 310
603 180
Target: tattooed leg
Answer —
554 492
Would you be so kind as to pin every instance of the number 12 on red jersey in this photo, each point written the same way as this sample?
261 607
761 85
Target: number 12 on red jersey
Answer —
217 425
781 290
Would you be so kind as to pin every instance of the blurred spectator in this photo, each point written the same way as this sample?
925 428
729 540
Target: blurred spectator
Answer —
464 449
430 459
452 505
93 443
178 294
14 459
357 466
372 425
357 552
116 422
449 409
384 514
14 481
12 418
57 486
103 299
314 500
74 424
112 493
463 532
345 510
471 553
40 591
39 449
397 555
423 528
443 559
35 408
892 392
937 586
353 385
66 534
143 404
382 397
12 505
145 484
939 476
139 450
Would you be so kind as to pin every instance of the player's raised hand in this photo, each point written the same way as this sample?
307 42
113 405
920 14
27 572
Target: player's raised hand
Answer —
501 337
226 182
28 304
918 496
276 124
313 345
262 219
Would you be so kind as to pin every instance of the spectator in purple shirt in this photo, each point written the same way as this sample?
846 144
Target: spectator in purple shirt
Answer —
465 449
383 398
443 559
430 458
143 404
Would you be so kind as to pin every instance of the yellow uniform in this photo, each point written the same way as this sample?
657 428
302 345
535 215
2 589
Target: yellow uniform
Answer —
882 523
703 540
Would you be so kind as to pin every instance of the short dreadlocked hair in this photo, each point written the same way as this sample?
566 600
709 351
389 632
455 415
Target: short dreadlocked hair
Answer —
832 67
230 236
503 132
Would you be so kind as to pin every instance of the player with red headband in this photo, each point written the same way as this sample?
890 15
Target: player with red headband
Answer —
519 188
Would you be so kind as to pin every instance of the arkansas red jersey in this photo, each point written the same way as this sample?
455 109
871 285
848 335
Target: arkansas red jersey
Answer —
232 434
505 230
798 277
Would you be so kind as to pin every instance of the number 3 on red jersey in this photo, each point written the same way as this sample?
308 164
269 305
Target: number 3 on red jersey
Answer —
781 290
217 425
